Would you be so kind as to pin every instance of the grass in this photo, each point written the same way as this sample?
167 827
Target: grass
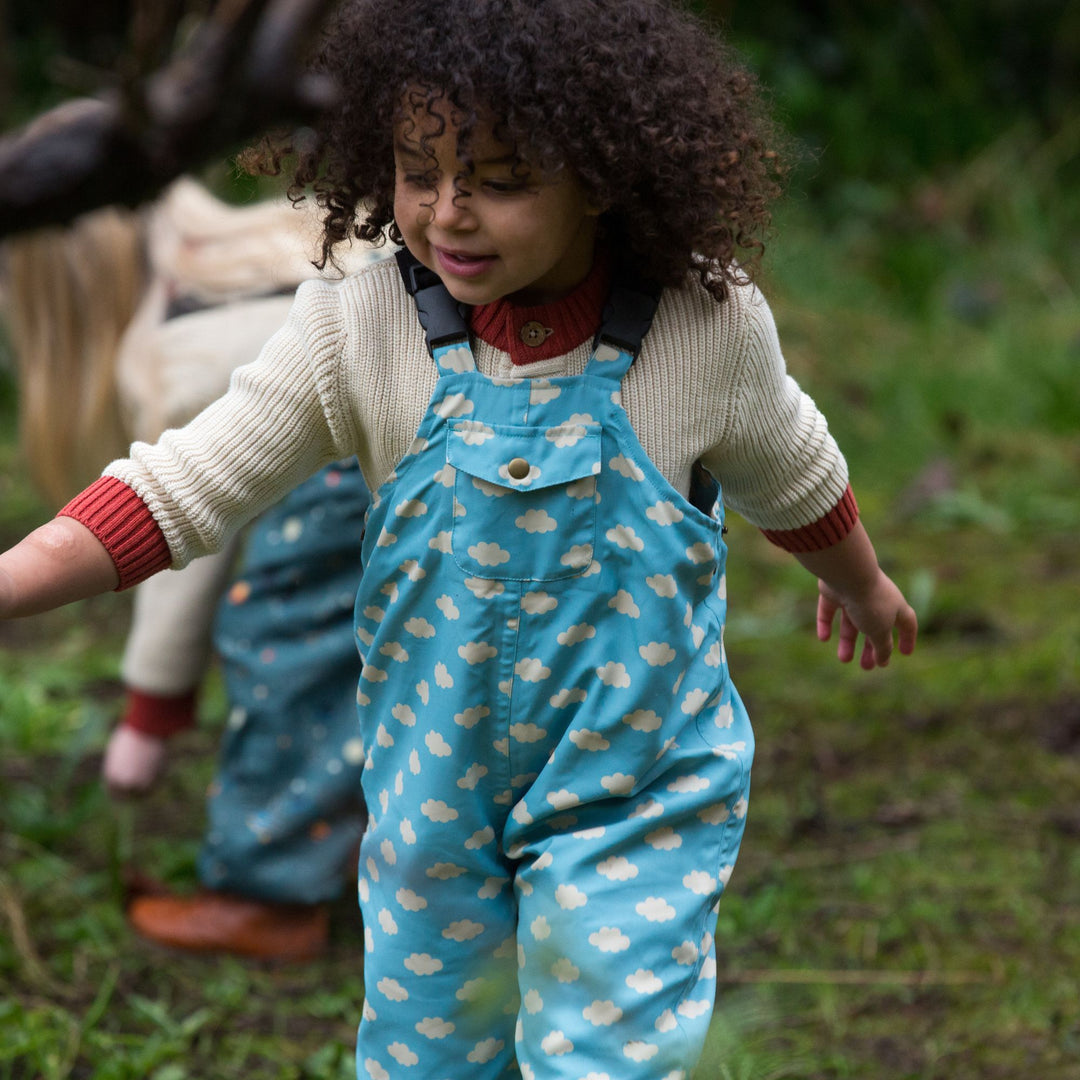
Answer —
907 904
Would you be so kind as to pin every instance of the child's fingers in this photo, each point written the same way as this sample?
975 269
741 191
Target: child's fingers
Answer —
826 612
908 625
849 636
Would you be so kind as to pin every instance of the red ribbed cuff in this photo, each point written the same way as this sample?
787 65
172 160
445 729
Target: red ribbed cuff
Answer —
158 715
120 520
823 533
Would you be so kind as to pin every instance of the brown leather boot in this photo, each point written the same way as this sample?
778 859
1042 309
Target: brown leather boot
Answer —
213 922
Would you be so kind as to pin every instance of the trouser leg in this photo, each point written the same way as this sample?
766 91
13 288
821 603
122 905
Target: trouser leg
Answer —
616 922
285 810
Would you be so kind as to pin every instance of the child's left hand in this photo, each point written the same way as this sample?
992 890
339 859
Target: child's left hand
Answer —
877 611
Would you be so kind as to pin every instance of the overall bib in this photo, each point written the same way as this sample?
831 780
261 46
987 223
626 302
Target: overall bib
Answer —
557 763
284 810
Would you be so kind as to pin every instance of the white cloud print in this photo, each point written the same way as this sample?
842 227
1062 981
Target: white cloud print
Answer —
686 954
656 653
536 521
437 810
423 963
625 467
402 1054
541 392
618 783
655 909
699 882
694 701
476 652
585 739
438 745
392 989
688 784
625 537
643 720
531 669
624 604
664 513
664 839
435 1027
555 1044
489 553
411 508
639 1051
474 432
609 939
574 635
567 697
570 432
569 897
457 359
602 1013
419 627
700 553
617 868
453 405
463 930
644 982
614 674
662 585
537 603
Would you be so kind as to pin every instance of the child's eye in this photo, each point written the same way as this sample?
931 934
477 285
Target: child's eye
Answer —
505 187
417 180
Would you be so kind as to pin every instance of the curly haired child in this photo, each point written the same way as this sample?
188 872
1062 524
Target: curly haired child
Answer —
545 389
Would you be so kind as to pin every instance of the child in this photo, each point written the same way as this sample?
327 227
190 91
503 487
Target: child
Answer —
557 762
122 325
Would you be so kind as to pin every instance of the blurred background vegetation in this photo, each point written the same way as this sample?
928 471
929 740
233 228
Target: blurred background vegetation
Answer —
908 899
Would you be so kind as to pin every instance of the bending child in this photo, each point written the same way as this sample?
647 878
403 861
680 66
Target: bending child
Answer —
546 391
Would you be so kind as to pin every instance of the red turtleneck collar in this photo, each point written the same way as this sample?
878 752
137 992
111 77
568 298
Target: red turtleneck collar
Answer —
538 332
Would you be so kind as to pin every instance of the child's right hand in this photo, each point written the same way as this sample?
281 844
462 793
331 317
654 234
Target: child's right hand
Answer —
133 761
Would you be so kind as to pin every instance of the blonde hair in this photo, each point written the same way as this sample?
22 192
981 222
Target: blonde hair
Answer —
70 294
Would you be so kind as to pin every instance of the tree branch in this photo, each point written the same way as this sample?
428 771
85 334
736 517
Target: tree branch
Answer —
242 73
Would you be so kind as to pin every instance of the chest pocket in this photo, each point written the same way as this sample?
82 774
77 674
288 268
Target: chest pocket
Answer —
524 499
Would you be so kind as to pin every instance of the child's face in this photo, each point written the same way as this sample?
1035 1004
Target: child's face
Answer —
503 232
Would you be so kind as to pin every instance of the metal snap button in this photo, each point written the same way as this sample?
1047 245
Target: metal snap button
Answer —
518 468
534 334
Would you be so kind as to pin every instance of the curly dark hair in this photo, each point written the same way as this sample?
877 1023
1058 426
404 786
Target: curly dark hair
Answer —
647 106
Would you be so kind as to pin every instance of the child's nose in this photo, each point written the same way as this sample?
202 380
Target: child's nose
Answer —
452 209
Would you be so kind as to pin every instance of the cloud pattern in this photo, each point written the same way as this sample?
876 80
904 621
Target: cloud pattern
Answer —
544 671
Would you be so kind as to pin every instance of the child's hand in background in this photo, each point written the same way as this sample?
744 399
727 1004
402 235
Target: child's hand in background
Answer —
133 761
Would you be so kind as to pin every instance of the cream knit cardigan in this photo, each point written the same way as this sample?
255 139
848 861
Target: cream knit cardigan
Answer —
349 373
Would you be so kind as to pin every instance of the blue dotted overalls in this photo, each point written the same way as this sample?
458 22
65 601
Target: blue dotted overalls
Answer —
284 811
557 763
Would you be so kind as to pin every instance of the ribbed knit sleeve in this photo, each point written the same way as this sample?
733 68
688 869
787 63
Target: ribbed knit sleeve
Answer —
282 418
779 466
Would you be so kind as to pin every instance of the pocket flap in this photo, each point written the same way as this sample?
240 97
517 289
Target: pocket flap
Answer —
524 458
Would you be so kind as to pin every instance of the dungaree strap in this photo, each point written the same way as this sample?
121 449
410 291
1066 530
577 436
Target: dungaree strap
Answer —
441 316
627 317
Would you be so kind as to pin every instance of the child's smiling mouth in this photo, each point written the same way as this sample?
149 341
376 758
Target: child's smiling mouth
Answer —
462 263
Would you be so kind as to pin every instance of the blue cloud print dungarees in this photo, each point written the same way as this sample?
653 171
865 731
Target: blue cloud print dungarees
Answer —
557 764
